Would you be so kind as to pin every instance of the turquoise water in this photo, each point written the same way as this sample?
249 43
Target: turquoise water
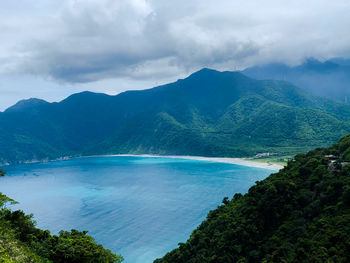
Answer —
141 207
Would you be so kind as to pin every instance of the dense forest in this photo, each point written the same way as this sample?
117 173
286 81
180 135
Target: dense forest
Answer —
21 241
300 214
209 113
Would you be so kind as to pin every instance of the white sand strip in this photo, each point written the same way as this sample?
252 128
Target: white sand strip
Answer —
238 161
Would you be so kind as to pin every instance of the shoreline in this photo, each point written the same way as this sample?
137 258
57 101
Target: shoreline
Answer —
230 160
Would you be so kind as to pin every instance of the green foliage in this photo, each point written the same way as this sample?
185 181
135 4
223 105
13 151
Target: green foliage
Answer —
4 201
78 247
300 214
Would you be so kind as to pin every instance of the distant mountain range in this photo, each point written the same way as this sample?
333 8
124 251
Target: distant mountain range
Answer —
210 113
329 79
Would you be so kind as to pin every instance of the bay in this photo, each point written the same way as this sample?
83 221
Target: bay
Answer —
140 207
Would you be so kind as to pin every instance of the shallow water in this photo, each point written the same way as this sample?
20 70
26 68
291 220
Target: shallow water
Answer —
140 207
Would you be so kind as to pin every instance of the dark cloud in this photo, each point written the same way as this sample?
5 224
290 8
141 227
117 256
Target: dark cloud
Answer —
78 41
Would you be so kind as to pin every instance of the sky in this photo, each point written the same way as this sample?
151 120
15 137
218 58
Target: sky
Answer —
50 49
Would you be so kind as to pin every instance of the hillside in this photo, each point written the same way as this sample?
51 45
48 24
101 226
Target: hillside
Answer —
210 113
300 214
328 79
21 241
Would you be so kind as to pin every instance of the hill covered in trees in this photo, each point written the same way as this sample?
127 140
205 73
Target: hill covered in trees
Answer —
210 113
21 241
300 214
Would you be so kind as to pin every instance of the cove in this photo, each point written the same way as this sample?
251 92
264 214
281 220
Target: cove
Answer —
140 207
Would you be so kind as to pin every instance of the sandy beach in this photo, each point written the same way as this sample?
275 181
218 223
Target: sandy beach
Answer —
238 161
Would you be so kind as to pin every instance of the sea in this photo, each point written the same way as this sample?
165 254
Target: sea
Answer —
139 207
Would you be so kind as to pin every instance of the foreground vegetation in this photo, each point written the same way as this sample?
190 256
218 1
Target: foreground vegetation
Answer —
300 214
21 241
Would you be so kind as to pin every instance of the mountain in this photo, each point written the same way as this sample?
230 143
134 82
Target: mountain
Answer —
209 113
300 214
329 79
26 104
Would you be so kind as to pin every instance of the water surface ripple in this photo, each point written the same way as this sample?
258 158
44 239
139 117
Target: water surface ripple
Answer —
141 207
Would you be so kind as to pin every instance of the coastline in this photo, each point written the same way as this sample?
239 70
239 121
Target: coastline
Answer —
230 160
237 161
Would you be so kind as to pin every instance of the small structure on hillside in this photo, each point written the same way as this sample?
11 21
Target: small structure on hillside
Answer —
332 157
260 155
333 166
343 164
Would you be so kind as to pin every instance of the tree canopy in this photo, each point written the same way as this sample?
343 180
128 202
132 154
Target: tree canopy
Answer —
300 214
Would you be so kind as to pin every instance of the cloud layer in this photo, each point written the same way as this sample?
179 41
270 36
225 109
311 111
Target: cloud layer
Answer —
78 41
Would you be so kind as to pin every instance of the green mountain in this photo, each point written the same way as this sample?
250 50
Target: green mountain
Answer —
300 214
210 113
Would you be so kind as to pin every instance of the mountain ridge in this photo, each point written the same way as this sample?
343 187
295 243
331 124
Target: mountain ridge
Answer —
209 113
329 79
25 104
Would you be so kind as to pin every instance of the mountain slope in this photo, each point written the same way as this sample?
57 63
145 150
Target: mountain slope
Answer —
300 214
328 79
209 113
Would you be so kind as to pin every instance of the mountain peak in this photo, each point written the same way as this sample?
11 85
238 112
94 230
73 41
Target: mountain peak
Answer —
203 72
207 72
26 104
84 96
316 65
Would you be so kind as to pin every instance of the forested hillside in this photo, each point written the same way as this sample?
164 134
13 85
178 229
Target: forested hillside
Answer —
300 214
210 113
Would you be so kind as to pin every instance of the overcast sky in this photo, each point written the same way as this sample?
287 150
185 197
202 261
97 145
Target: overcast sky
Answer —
52 48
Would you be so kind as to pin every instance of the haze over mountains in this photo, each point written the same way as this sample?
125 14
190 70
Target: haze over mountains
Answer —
330 78
210 113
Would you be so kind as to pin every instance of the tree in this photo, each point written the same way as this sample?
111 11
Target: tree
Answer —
76 246
4 200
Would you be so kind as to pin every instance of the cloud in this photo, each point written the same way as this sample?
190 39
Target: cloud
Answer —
82 41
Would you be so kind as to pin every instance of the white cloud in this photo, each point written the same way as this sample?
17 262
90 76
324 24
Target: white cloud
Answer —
83 41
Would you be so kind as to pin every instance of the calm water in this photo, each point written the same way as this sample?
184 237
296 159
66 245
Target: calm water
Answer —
140 207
